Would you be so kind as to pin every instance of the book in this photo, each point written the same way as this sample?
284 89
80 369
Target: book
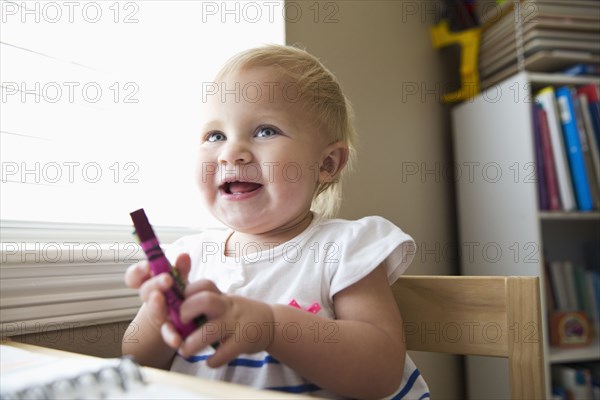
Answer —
591 254
549 295
594 109
540 36
576 380
583 297
549 168
579 174
562 8
582 69
591 91
593 290
26 374
586 149
543 203
592 144
558 284
559 393
547 99
594 368
592 94
568 272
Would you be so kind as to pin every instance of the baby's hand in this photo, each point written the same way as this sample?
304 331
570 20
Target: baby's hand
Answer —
151 288
239 324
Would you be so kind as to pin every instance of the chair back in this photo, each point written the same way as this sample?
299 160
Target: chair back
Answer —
495 316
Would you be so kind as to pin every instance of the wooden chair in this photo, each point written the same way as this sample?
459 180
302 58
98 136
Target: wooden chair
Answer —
478 315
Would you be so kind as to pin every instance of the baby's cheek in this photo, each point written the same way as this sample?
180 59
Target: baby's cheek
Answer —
206 171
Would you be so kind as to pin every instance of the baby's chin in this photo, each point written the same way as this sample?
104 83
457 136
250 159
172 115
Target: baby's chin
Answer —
264 221
257 229
244 224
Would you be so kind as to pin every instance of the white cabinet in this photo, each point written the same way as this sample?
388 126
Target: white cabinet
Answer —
501 230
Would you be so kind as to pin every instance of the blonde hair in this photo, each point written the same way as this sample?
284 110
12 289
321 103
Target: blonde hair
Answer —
321 93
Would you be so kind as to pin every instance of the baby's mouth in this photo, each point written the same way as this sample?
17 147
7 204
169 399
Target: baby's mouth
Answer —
238 187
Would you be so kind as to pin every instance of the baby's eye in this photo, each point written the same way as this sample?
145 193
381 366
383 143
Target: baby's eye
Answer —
215 137
266 131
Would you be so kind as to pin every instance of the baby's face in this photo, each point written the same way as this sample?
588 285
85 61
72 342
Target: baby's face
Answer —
260 154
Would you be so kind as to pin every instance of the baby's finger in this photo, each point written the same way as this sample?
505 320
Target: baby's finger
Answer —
202 285
157 307
227 351
209 333
136 274
183 265
170 335
161 283
211 305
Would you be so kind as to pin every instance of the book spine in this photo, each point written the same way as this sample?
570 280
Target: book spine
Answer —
583 298
594 109
591 138
582 69
569 278
594 290
549 168
547 99
592 93
574 151
543 202
558 283
585 149
550 291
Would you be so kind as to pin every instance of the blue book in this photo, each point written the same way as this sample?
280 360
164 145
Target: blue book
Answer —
579 175
559 392
582 69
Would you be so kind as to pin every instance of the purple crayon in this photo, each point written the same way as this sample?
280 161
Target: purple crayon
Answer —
159 264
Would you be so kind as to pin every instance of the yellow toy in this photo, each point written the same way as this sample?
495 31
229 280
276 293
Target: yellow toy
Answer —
469 42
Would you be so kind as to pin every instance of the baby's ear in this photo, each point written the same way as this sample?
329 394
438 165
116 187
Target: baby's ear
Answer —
334 161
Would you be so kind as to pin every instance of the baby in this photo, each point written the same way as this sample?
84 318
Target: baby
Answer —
295 300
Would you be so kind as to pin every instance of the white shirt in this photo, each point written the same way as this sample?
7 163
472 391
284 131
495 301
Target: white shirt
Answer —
305 272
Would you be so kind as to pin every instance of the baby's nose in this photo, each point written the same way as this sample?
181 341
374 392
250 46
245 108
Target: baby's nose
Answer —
235 153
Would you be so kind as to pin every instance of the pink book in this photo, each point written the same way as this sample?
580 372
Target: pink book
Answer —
549 168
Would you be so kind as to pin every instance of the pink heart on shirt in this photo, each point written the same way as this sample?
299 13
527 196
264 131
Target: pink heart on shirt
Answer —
314 307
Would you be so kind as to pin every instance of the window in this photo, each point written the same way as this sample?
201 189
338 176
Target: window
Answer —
99 105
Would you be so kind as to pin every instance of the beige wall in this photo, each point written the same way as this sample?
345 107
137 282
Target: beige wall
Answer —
381 53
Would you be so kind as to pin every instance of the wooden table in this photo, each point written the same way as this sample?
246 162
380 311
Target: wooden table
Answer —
205 388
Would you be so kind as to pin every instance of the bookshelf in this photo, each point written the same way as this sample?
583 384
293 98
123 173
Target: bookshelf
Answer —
561 216
501 230
575 355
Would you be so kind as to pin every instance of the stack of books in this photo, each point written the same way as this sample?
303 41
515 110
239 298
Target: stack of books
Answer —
572 287
543 35
566 126
573 299
576 381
